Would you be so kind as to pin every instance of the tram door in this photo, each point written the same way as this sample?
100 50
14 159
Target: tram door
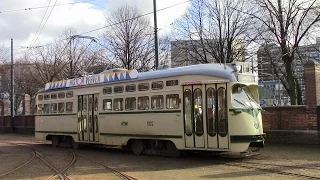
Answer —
193 116
216 116
88 118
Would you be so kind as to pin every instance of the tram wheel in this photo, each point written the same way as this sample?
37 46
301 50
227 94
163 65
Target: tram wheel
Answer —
55 141
74 144
137 147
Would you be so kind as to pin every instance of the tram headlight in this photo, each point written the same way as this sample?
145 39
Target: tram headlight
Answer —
256 124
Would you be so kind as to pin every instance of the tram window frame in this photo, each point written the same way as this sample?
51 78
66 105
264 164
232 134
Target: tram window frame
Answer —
53 96
141 102
53 108
222 110
69 110
46 97
107 90
198 111
61 109
128 101
172 82
131 88
40 97
46 108
115 102
105 105
157 85
69 94
143 87
168 103
40 109
187 108
156 98
61 95
118 89
211 107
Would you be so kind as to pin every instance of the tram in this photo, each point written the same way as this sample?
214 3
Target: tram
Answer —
205 107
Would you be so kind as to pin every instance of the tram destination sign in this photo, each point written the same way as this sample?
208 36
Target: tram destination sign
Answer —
93 79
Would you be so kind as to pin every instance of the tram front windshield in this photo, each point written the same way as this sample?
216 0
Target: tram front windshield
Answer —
242 97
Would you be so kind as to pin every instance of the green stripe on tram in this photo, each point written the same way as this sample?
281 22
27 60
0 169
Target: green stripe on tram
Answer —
56 132
58 114
143 112
143 135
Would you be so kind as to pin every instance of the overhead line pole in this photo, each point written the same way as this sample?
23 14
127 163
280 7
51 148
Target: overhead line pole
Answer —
12 90
155 33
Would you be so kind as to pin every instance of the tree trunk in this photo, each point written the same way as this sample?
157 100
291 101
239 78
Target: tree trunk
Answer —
299 92
291 82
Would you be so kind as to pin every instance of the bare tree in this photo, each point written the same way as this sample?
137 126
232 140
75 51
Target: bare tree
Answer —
130 39
287 24
214 31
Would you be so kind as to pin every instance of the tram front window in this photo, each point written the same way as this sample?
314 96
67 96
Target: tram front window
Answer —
242 97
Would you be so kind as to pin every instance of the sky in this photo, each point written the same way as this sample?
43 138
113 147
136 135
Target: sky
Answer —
83 15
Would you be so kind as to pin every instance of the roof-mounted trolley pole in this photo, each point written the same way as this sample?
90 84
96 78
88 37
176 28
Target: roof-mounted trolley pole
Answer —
155 33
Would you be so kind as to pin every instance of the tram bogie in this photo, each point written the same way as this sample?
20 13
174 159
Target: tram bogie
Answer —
210 107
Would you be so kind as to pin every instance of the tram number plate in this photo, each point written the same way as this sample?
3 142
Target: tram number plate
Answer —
149 123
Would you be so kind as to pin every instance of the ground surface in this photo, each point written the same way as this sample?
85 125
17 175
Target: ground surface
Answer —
275 161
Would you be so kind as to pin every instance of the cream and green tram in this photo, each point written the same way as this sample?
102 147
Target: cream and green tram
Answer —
207 107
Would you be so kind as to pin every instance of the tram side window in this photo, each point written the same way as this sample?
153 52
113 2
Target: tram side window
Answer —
131 103
54 96
172 101
187 98
222 110
118 104
172 83
131 88
61 95
157 85
46 97
61 107
40 108
69 107
69 94
157 102
46 109
53 108
107 90
40 97
107 104
143 86
143 103
211 100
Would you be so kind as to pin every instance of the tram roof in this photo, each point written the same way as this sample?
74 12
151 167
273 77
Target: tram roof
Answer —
217 70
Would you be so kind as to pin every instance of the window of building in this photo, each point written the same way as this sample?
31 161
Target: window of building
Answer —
107 104
69 107
131 88
143 87
130 103
69 94
46 97
54 96
172 83
46 109
118 104
107 90
157 102
53 108
118 89
40 97
172 101
143 103
61 107
61 95
157 85
40 108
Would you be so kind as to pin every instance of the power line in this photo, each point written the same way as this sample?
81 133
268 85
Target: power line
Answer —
40 24
40 7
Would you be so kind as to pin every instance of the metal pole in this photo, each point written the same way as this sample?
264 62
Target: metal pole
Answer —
155 33
12 90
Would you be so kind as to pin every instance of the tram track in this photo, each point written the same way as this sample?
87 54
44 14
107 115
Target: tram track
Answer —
121 175
266 168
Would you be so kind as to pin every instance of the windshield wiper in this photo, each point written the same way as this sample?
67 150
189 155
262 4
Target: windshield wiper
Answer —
239 102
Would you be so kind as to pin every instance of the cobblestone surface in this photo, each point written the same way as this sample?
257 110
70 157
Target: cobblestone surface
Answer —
290 159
